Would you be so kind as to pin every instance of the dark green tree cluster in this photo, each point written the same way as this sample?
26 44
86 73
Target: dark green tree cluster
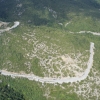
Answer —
8 93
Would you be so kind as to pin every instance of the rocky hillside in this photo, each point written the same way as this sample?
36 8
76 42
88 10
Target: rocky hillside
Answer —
46 12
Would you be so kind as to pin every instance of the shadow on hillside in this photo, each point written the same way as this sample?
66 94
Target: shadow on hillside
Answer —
10 13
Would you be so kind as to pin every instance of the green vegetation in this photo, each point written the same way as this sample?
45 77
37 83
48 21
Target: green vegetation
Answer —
28 90
37 12
48 30
16 45
34 90
8 93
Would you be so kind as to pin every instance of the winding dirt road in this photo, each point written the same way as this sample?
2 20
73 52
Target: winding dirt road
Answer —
9 28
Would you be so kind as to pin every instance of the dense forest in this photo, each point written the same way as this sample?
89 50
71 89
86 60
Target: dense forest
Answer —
8 93
37 12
